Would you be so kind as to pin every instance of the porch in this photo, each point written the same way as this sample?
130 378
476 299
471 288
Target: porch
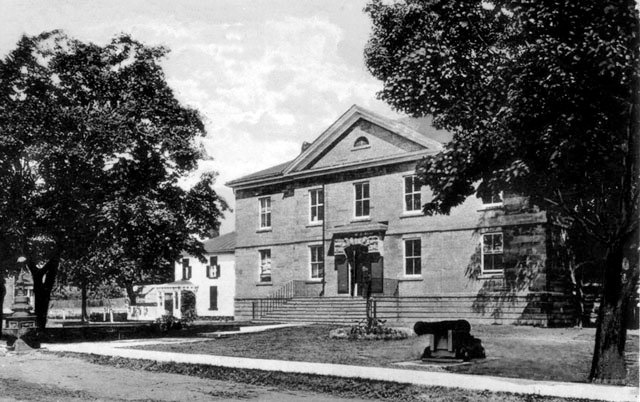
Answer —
168 302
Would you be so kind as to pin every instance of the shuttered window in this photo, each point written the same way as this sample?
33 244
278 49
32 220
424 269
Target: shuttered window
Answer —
186 269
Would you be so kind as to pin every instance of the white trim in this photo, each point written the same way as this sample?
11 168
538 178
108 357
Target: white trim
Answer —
404 195
492 272
319 221
404 257
310 247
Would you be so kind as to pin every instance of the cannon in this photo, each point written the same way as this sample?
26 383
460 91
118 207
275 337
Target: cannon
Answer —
449 340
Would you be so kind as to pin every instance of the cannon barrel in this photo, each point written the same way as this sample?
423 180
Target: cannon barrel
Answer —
422 327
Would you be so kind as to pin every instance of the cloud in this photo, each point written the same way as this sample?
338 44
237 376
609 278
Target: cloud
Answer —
265 76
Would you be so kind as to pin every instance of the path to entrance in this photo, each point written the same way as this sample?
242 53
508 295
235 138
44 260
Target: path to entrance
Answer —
472 382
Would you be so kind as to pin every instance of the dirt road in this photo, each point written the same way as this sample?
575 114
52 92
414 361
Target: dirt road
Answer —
38 376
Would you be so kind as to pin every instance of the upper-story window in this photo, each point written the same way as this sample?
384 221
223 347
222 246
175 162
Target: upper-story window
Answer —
316 205
362 200
213 269
412 257
265 265
493 200
361 142
186 269
316 261
492 253
265 212
412 201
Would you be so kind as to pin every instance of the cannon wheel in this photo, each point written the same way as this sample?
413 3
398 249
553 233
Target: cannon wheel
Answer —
463 354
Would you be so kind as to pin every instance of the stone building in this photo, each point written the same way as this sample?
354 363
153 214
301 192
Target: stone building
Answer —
344 218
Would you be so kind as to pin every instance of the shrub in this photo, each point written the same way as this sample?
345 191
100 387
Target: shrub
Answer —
188 307
167 323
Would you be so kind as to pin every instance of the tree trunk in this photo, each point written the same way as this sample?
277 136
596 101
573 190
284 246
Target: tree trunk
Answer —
131 294
608 365
43 280
83 308
3 292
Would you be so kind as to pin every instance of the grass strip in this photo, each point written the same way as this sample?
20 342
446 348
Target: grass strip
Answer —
330 385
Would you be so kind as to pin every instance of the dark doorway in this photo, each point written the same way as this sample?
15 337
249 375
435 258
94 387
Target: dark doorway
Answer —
342 266
168 304
359 271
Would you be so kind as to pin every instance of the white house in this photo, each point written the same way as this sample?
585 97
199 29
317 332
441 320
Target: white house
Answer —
213 283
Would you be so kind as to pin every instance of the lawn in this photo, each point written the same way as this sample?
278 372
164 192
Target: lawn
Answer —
557 354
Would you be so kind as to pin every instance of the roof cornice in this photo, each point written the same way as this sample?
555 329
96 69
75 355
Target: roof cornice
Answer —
304 174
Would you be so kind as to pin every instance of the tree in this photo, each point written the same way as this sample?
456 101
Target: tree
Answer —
142 233
542 100
93 145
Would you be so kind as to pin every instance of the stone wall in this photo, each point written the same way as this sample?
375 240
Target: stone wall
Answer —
450 252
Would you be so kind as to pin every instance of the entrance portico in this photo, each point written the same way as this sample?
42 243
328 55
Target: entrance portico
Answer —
359 253
169 297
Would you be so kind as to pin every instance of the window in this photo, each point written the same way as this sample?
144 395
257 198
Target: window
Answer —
316 204
213 269
411 194
492 200
412 260
265 212
265 265
213 297
362 200
361 142
186 269
317 261
492 253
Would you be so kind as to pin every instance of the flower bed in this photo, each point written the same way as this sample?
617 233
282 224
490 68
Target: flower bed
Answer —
372 331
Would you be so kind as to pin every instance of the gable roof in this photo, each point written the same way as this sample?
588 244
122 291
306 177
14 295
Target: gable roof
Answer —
332 134
225 243
345 121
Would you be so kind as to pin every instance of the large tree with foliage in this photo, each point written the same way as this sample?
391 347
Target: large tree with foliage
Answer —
140 230
93 145
542 99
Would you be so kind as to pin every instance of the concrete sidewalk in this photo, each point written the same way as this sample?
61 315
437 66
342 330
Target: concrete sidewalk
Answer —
424 378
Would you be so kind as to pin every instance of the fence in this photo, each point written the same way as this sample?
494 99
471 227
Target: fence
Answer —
281 296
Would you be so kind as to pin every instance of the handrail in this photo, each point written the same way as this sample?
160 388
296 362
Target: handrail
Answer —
277 298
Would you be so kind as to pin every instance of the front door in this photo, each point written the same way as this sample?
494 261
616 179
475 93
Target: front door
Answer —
358 271
168 304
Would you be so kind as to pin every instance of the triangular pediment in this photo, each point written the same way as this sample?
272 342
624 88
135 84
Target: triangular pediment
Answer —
358 136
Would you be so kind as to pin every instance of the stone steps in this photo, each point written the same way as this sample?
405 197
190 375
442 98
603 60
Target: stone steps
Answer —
521 310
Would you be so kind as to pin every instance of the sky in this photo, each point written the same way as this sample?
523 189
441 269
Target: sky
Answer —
266 75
